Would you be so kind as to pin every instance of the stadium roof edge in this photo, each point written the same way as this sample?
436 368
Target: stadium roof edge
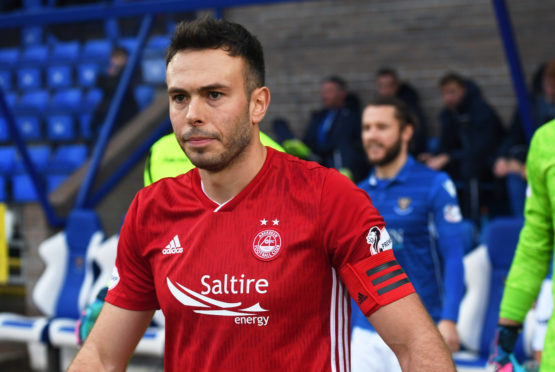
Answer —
78 13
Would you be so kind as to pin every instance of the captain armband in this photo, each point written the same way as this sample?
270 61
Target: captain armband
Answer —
376 281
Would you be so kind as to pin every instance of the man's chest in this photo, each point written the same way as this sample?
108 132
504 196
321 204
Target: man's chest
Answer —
406 213
238 269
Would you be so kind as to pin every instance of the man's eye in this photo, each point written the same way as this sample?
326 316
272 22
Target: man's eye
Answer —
214 95
179 98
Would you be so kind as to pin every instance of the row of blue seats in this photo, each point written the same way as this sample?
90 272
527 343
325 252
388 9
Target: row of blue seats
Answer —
64 115
19 188
53 76
72 52
85 75
52 165
46 159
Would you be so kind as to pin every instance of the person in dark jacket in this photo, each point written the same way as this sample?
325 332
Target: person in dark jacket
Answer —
332 137
389 85
469 136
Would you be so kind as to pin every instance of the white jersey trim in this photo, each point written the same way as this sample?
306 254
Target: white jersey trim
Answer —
339 326
208 196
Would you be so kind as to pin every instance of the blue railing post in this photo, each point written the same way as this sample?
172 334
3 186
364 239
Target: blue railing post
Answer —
129 163
108 124
53 219
511 53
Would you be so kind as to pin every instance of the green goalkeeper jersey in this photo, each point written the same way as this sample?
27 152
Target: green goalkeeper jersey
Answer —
535 245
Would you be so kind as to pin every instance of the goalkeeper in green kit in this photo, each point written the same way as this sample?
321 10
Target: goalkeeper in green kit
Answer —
532 257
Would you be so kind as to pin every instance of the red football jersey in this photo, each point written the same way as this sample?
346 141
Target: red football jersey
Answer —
257 283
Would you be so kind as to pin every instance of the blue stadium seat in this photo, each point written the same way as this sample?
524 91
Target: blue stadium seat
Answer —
8 158
60 127
87 74
11 98
154 70
30 127
85 125
59 76
129 43
35 101
40 157
158 43
65 52
54 180
97 50
34 55
92 99
144 94
23 189
66 100
67 158
5 79
3 190
32 4
9 57
486 269
4 131
31 35
29 78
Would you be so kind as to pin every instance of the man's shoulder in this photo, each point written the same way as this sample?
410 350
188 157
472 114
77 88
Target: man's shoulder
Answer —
423 174
303 173
290 163
545 133
168 186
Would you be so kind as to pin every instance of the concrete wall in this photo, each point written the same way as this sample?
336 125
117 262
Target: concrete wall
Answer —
423 39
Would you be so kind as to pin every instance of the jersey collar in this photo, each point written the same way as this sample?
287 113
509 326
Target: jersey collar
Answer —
400 177
230 204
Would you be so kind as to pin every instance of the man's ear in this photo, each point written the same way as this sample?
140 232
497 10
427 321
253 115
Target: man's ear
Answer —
407 132
260 100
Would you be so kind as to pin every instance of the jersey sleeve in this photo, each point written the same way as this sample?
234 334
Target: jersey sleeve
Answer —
535 245
132 285
359 246
447 222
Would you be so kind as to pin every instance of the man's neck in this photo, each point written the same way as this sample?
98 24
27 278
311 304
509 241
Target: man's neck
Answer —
391 169
225 184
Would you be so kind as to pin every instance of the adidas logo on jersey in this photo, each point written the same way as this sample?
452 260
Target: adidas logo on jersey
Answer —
361 298
174 247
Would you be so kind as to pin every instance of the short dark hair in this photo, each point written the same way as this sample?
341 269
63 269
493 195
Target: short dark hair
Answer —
402 111
211 33
383 71
452 77
337 80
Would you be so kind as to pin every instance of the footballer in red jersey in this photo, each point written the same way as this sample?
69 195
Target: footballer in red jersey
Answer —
250 255
265 268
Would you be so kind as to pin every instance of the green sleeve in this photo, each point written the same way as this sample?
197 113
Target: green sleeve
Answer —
535 246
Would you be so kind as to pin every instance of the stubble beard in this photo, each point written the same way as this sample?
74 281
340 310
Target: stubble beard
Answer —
234 147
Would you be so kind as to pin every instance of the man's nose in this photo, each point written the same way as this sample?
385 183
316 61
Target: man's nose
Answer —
195 111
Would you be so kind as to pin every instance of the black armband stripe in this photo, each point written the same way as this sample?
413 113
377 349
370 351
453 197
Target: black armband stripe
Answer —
381 267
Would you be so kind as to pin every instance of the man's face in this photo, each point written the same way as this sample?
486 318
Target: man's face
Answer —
381 134
387 85
209 108
549 89
332 95
452 94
